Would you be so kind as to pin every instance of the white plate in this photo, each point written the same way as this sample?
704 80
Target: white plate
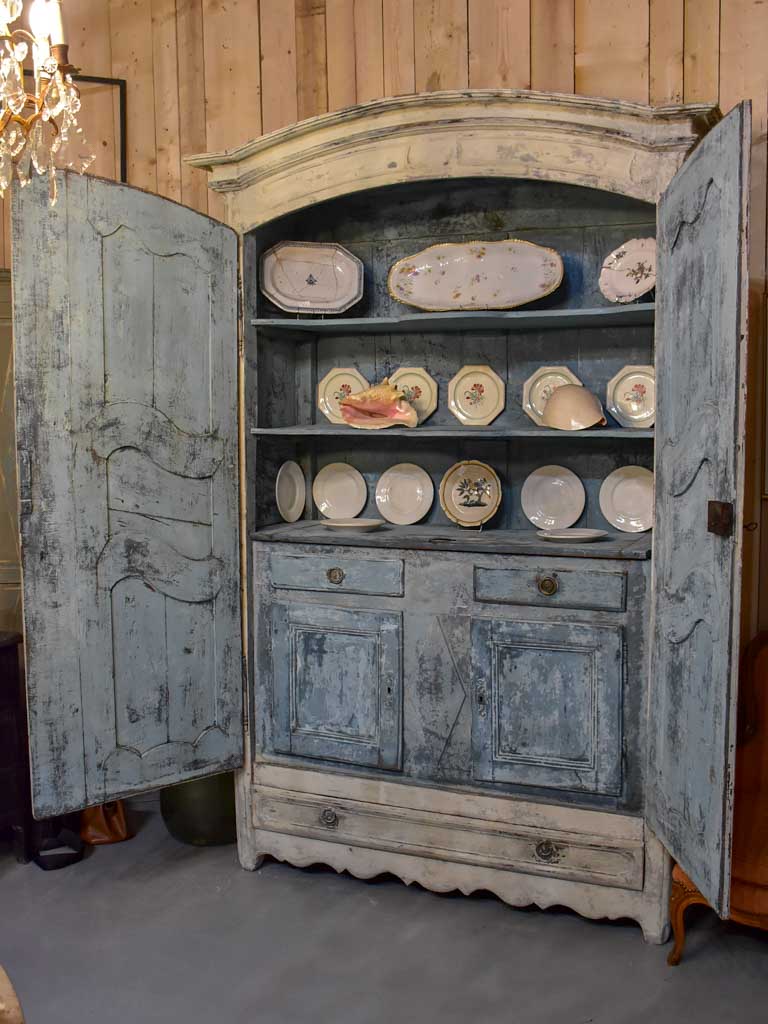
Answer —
419 389
404 493
363 525
290 491
631 397
629 271
626 499
572 536
335 385
476 396
311 277
552 497
538 389
470 493
339 491
476 275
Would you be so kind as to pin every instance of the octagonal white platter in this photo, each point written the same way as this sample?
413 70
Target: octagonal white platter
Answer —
552 497
311 277
340 491
290 491
336 385
476 275
629 271
626 499
404 493
538 389
476 396
418 388
631 397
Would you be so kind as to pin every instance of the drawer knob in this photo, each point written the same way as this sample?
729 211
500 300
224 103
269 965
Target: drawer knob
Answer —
548 585
335 575
548 851
329 817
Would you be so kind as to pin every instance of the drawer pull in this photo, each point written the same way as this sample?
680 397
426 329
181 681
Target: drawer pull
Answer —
548 851
329 817
335 575
548 585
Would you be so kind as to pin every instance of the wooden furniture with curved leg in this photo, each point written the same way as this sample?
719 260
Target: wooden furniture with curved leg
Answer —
749 881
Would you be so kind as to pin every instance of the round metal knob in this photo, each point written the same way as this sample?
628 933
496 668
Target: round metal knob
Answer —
335 575
547 851
329 817
548 586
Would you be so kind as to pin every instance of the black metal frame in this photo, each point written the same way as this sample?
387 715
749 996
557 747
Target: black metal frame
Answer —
122 86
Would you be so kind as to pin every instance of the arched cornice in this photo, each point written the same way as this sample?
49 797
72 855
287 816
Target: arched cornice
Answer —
621 147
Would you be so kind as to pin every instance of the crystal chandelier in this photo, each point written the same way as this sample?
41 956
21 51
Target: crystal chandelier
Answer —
38 129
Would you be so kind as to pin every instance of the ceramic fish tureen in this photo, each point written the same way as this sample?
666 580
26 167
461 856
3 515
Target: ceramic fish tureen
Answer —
476 275
381 406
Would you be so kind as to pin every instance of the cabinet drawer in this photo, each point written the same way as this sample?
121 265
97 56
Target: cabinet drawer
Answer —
348 575
596 590
579 857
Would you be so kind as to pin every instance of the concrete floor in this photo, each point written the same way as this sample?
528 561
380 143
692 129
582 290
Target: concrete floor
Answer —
154 931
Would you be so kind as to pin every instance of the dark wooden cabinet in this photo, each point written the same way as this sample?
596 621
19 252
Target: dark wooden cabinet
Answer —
15 807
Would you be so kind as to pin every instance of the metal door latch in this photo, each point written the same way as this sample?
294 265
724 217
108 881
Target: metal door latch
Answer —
720 518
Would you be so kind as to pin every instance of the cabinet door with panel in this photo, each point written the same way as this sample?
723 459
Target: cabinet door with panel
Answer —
337 684
547 704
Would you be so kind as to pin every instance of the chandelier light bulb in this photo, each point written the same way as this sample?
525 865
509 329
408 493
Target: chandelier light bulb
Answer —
39 19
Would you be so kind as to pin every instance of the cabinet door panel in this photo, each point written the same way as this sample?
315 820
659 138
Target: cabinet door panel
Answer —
337 684
547 704
700 366
126 361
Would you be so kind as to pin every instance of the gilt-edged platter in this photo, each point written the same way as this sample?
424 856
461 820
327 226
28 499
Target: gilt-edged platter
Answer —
470 493
311 277
476 275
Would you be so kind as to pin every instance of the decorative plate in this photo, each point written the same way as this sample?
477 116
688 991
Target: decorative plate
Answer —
629 271
476 396
311 277
631 396
418 388
470 493
362 525
290 491
404 493
573 536
552 497
340 491
334 386
626 499
538 389
476 275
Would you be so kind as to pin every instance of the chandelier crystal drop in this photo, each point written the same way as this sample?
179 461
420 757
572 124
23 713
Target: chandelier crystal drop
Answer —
38 130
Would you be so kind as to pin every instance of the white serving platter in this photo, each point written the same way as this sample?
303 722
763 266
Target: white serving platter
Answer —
626 499
476 275
311 277
404 493
339 491
290 491
552 497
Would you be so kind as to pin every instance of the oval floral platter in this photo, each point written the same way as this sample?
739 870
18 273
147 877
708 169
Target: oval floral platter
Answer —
311 277
476 275
629 272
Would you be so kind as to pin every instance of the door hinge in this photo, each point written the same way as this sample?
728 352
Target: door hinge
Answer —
720 518
25 482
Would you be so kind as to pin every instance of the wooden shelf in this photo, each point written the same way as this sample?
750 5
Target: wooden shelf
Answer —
426 537
638 315
455 433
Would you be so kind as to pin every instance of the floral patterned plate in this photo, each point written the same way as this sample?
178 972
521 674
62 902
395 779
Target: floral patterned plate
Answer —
552 497
476 396
629 271
311 277
418 388
335 385
538 389
476 275
631 396
470 493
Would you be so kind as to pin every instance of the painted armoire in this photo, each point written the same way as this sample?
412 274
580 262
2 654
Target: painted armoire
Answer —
465 709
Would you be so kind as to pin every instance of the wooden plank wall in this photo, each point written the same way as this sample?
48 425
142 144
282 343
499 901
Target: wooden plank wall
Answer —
209 74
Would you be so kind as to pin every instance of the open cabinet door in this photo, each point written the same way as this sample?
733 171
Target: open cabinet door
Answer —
700 366
125 308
